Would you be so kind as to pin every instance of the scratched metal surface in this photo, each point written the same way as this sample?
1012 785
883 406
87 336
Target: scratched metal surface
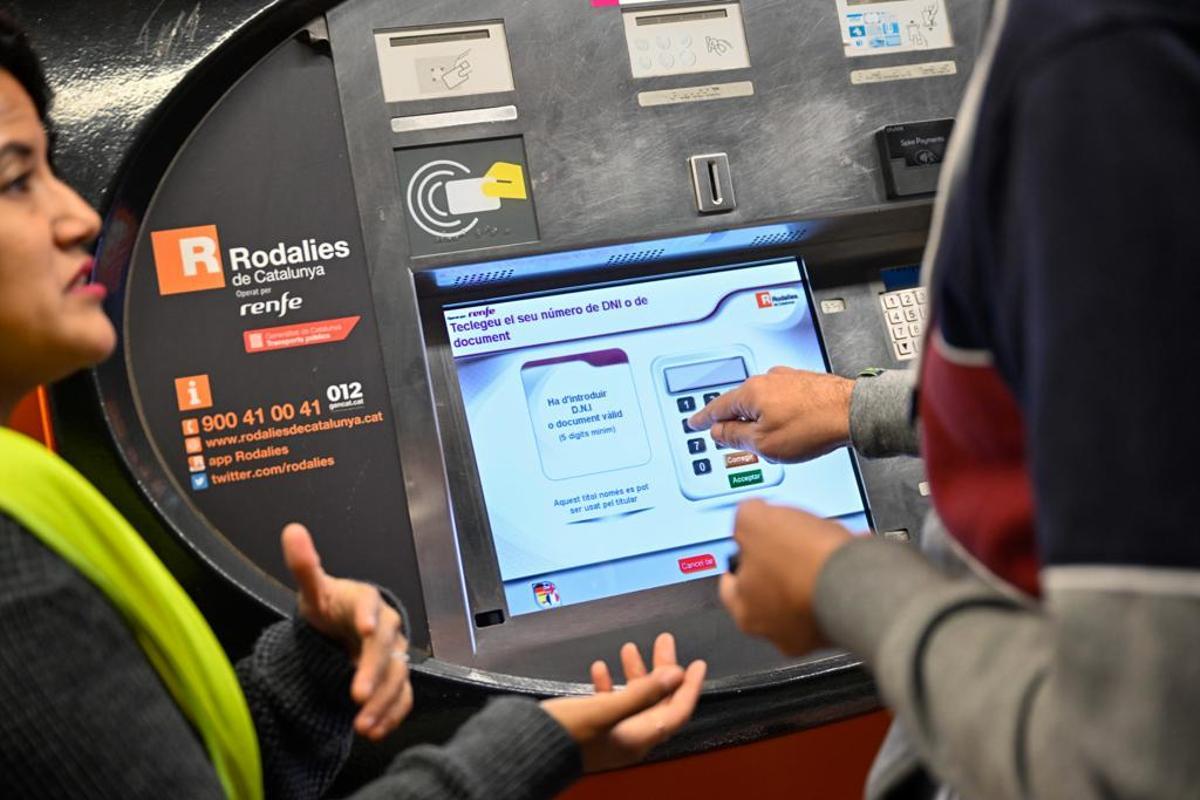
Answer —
114 63
603 168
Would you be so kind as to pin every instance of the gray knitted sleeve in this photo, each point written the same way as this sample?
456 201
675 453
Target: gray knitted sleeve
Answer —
297 685
83 714
881 420
512 750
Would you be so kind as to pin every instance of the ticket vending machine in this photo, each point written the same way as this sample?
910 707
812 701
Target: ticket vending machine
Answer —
445 281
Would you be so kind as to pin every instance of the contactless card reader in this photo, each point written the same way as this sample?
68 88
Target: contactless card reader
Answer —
687 383
911 155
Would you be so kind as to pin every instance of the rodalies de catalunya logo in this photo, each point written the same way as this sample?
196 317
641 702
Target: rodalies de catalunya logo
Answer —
188 260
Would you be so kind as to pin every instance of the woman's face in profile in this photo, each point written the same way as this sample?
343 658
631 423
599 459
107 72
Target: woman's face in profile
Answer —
51 320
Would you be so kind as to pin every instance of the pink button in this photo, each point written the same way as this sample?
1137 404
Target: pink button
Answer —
697 563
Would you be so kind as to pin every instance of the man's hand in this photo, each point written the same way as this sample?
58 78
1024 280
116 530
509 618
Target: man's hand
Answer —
617 728
782 553
786 415
354 614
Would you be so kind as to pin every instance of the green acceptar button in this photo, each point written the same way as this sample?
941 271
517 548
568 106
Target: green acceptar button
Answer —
740 479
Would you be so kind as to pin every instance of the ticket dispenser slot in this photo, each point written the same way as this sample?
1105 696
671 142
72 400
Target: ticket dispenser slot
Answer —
435 63
679 41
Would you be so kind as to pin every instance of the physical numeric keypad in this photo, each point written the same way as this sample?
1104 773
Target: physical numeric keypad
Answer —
905 312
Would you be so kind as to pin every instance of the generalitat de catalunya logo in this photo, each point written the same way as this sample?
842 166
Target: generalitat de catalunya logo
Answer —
188 259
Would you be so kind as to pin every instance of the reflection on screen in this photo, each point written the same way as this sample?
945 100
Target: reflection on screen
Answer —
577 405
690 377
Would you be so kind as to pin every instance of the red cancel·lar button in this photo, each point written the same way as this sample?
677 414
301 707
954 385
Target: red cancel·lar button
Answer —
697 563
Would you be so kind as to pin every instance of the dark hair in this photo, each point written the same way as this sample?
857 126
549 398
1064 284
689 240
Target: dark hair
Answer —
18 58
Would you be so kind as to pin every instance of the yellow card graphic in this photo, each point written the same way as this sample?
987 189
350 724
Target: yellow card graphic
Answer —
505 181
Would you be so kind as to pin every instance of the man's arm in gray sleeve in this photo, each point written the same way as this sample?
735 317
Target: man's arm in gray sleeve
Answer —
1095 690
1091 695
881 419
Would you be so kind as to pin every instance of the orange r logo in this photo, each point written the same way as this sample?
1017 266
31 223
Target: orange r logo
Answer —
188 259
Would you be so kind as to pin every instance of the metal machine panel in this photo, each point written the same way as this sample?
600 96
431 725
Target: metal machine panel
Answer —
431 63
686 39
606 169
306 145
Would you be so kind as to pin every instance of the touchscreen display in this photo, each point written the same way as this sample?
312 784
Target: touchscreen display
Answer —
577 404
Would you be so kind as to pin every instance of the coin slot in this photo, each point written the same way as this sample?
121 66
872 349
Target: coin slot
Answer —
711 183
714 183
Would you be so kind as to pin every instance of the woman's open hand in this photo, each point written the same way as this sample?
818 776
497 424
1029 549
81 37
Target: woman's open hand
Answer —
617 728
354 614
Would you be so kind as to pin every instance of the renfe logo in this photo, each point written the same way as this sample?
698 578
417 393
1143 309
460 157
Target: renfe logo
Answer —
764 299
279 307
188 260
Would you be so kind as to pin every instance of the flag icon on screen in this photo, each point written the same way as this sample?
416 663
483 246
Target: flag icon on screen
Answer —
546 594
